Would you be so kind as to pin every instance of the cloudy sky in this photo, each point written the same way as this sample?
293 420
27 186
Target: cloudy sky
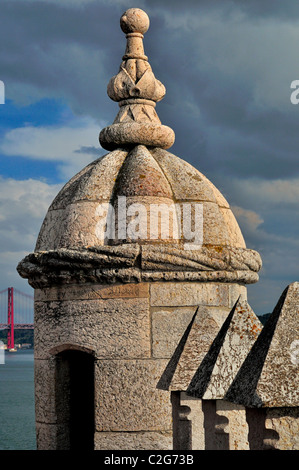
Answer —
227 66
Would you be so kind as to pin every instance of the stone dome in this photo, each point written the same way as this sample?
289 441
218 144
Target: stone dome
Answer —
144 176
140 212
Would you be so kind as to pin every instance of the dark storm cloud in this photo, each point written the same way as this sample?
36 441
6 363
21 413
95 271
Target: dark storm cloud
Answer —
210 66
288 9
228 78
227 67
59 50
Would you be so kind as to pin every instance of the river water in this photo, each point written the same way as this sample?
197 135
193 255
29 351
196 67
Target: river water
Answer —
17 428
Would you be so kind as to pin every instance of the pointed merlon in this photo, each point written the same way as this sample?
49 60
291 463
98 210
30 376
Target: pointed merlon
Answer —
243 330
269 377
210 356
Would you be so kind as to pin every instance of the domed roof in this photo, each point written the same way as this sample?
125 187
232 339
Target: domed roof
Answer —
140 212
148 177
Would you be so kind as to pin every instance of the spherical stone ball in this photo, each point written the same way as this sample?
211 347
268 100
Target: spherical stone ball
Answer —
134 20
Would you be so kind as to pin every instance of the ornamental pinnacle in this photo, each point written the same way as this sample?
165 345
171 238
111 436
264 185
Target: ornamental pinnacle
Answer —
136 90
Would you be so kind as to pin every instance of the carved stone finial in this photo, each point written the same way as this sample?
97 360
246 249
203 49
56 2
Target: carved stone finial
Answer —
136 90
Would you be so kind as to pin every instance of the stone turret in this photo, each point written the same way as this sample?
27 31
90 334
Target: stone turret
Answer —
132 247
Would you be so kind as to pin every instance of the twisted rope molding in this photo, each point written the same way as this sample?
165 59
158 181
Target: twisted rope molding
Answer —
140 263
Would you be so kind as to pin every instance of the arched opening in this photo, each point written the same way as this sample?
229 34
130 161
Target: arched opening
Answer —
74 397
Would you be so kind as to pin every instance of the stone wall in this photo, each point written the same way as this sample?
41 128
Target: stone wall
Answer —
131 330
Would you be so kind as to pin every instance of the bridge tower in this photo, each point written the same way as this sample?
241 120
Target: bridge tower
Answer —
10 319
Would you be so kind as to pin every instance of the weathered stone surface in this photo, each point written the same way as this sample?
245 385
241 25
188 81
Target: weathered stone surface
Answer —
135 78
237 291
92 292
190 409
138 110
49 235
46 436
242 332
208 424
168 326
127 398
235 236
185 294
187 183
269 375
118 135
140 175
145 220
212 258
44 383
213 220
236 428
141 440
94 264
95 182
75 226
170 323
134 20
74 216
210 354
134 263
136 89
284 423
190 352
243 277
81 195
278 384
94 324
47 439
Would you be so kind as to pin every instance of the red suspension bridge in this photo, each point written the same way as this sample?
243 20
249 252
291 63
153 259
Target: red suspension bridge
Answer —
16 313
